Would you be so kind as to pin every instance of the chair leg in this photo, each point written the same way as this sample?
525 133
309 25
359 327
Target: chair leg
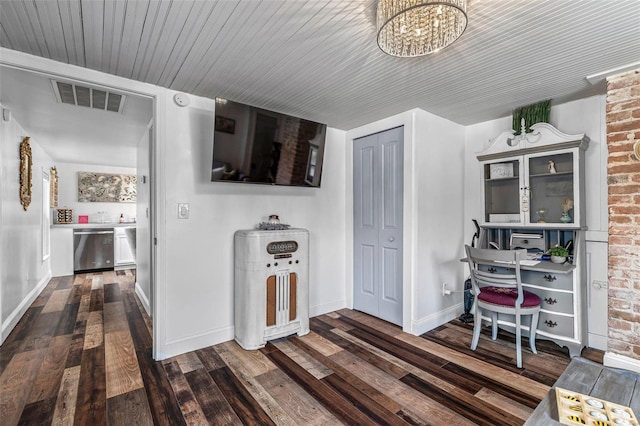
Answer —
532 331
494 325
518 342
477 324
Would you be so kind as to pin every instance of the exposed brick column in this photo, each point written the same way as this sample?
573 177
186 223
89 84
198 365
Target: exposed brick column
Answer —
623 178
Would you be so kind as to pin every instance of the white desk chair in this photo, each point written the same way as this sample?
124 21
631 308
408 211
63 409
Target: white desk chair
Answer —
501 293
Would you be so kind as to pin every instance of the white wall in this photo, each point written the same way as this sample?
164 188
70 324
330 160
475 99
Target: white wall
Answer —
68 192
439 191
23 272
199 258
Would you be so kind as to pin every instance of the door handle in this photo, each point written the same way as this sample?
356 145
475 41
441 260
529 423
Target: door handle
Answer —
391 239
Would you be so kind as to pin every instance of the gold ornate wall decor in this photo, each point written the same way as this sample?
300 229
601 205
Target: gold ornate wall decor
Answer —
106 188
26 165
53 176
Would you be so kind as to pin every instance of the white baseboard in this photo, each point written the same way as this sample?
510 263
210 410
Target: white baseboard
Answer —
223 334
14 317
195 342
314 311
143 299
621 361
597 341
434 320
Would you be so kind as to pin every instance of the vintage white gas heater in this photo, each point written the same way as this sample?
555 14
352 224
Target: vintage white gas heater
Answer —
271 285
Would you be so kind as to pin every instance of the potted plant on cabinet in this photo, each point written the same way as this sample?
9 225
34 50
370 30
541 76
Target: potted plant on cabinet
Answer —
558 254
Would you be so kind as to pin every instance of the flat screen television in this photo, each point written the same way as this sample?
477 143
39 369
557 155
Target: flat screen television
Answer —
254 145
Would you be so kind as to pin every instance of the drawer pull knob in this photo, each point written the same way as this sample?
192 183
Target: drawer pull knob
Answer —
550 278
492 270
550 301
550 323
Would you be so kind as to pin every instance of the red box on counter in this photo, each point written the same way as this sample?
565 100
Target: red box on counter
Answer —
83 218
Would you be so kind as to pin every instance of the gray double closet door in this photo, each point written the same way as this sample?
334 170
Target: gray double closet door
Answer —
377 199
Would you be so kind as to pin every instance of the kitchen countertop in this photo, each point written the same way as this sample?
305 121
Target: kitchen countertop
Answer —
95 225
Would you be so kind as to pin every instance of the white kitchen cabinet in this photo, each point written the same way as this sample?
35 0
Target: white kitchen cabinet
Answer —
123 253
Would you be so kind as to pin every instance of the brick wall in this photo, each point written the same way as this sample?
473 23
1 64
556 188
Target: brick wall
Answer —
623 176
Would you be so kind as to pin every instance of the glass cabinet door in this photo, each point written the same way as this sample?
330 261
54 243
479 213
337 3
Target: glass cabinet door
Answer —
502 191
551 188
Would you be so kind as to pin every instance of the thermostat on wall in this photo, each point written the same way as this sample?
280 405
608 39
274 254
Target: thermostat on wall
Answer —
181 99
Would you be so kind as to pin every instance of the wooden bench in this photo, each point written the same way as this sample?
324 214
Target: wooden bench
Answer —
590 378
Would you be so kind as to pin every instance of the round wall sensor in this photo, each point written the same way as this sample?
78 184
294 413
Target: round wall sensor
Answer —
181 99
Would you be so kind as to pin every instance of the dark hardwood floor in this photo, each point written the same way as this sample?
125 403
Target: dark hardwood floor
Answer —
82 355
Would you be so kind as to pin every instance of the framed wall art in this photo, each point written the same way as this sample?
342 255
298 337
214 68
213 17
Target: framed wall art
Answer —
106 188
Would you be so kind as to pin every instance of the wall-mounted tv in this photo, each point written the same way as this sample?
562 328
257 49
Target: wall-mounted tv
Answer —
254 145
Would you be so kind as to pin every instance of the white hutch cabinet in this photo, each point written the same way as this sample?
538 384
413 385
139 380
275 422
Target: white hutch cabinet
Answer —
533 198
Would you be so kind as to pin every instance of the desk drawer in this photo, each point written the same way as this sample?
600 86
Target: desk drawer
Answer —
495 269
548 279
528 243
556 324
553 300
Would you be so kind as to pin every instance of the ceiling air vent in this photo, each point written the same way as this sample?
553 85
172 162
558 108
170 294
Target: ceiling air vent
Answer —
73 94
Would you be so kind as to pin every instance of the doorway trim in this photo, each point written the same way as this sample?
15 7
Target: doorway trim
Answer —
48 67
407 120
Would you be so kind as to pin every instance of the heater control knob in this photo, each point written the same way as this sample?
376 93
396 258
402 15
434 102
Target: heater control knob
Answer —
268 265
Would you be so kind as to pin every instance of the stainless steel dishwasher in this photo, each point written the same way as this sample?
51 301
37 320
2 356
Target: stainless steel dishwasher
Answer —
92 249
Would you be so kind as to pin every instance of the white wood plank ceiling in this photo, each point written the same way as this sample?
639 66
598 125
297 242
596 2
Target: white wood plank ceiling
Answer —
318 59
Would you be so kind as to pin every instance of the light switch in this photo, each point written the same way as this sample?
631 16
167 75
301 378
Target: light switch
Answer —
183 210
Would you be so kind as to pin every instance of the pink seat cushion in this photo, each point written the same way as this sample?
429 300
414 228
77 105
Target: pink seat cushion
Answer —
507 297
